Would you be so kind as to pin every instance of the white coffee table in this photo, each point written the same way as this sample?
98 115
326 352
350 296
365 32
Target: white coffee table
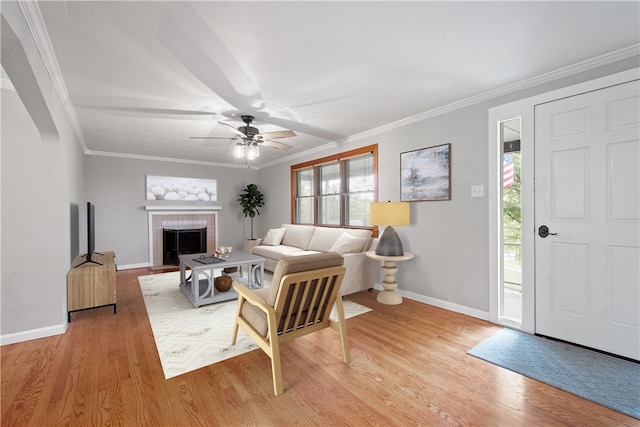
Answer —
198 286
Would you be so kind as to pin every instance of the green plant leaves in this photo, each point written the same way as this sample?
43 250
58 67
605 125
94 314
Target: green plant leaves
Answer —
251 199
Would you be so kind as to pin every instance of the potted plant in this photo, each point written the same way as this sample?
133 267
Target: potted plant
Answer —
251 199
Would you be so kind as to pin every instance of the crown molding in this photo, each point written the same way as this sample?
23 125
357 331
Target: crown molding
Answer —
165 159
38 30
305 153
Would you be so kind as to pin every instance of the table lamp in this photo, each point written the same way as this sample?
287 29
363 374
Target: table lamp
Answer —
389 214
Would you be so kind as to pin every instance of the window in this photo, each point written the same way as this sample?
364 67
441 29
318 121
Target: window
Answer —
360 190
329 194
304 196
336 190
511 284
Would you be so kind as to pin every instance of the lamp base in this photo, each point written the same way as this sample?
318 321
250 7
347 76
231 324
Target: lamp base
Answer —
389 243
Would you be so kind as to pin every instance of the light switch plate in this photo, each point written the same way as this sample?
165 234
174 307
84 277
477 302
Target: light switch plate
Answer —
477 190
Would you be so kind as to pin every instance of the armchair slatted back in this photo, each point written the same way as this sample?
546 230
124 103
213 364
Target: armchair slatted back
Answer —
305 300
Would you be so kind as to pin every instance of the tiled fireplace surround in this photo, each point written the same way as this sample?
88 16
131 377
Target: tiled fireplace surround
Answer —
182 220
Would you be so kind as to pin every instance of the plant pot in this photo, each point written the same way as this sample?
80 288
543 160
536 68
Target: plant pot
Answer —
249 244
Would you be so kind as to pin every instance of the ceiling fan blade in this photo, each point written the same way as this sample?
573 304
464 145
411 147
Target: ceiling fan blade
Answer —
169 111
279 134
274 144
304 128
213 137
234 130
240 92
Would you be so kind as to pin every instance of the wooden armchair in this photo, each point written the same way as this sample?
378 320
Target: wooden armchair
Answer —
302 294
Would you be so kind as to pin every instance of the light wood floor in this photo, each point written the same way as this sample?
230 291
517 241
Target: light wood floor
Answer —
409 367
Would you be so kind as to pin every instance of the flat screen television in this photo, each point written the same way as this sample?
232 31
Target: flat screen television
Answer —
91 236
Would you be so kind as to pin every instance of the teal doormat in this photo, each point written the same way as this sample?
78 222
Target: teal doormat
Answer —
603 379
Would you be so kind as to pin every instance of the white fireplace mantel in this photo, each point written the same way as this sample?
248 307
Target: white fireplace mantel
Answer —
182 208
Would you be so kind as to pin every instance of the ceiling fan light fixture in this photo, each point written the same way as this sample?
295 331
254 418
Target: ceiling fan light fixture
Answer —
253 151
238 151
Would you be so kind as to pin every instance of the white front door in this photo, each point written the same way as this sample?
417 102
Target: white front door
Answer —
587 193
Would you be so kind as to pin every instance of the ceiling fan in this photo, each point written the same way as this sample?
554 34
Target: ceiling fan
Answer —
251 138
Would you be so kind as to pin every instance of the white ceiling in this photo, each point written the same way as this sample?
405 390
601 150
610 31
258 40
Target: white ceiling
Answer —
140 75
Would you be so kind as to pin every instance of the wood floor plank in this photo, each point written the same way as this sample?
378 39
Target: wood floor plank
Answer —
409 367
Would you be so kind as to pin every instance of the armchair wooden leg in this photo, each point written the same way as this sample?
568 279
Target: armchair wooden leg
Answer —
274 345
235 322
342 325
276 371
235 333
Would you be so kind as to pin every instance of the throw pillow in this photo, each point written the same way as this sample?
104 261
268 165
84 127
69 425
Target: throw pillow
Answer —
347 244
274 236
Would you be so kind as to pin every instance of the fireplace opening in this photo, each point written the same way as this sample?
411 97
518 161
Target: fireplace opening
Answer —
177 242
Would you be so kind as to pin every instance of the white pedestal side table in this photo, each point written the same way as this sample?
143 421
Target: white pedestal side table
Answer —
389 295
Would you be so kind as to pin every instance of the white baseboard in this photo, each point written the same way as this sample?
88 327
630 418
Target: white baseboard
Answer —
479 314
132 266
33 334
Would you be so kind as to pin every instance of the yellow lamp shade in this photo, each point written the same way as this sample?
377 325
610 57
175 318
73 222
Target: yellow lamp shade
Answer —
389 213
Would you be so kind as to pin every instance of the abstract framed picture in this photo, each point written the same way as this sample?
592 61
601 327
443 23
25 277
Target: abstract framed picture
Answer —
425 174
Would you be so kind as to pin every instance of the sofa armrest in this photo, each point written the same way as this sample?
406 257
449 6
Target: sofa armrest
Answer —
361 273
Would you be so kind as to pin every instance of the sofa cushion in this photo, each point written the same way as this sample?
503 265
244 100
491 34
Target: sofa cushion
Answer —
359 233
256 317
324 238
276 252
274 236
348 244
298 235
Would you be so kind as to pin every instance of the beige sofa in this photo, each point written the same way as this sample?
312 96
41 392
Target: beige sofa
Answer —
293 239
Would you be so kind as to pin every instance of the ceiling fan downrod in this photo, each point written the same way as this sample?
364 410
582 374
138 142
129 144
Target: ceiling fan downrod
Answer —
248 130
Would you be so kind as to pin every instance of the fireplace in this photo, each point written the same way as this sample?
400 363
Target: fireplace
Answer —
182 241
159 220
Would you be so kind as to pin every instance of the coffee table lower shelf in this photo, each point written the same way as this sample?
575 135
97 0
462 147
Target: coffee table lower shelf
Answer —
204 292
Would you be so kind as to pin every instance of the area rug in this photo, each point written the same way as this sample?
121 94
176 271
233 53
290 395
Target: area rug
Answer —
600 378
190 338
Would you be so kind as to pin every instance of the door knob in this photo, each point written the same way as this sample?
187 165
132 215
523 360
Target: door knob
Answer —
543 231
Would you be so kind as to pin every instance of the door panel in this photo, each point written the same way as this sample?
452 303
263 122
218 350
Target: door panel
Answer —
587 190
623 275
570 184
570 279
623 182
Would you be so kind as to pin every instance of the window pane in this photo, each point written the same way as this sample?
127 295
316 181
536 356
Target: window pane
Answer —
510 296
304 210
330 179
329 210
357 209
304 180
360 173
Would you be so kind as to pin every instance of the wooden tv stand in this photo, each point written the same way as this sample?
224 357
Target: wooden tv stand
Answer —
91 285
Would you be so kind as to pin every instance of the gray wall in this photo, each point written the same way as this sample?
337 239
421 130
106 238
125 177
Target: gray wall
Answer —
41 181
116 187
450 239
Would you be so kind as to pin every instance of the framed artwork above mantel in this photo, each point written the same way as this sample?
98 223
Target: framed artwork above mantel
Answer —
168 188
425 174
